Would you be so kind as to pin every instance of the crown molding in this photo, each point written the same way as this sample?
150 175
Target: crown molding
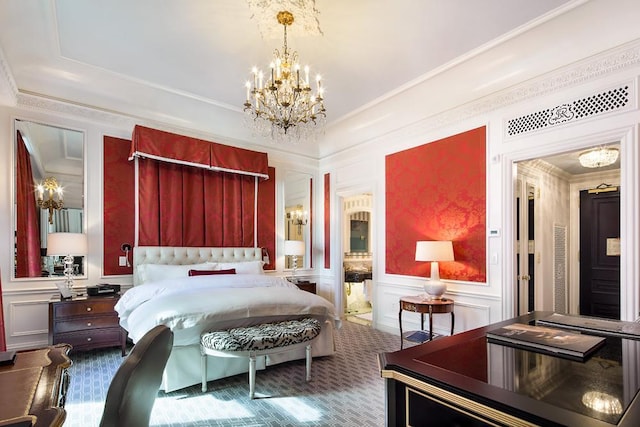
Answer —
590 69
8 88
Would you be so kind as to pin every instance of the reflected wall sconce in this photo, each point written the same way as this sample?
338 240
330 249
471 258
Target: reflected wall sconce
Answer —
50 185
67 245
434 251
294 248
299 218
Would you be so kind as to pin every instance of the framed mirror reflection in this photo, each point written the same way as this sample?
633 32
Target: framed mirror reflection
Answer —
297 211
49 165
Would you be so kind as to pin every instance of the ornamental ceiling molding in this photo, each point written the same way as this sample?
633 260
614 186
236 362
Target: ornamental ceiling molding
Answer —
305 17
573 75
8 87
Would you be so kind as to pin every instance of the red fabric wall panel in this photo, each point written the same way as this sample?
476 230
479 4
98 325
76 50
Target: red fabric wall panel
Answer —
437 191
327 220
119 203
267 217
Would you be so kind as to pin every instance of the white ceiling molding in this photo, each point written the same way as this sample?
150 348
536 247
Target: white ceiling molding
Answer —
8 87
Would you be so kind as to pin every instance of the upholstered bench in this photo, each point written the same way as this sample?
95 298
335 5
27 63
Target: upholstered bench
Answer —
259 340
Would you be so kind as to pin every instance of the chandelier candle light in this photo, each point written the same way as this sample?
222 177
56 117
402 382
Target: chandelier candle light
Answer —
282 103
434 251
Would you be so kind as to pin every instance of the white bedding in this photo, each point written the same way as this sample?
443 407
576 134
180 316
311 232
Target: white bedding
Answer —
192 305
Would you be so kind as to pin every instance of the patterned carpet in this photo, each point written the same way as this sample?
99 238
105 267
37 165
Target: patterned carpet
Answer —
345 390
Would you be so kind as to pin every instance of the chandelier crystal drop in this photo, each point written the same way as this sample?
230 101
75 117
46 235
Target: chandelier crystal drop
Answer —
282 104
598 157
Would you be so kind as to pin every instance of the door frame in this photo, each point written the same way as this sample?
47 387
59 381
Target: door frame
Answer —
531 148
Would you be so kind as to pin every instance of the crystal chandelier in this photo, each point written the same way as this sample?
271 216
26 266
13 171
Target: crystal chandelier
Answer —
598 157
282 104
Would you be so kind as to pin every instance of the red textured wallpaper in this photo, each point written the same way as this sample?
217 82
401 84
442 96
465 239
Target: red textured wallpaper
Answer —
267 217
437 191
119 204
327 220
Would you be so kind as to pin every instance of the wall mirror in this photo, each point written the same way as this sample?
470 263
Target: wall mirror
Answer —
297 211
48 196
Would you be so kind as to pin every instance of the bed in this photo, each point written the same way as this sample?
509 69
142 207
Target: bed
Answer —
164 293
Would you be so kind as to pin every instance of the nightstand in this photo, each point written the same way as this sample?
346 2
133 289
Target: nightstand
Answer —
86 323
307 286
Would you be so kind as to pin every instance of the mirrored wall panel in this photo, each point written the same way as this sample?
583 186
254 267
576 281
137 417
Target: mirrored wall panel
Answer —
297 196
49 196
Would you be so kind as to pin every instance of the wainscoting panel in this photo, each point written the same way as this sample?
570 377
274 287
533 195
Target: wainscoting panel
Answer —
29 323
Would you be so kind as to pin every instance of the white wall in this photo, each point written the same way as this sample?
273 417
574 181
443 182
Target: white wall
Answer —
481 303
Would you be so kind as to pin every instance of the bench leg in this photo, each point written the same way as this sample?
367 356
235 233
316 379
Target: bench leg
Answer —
203 370
308 353
252 376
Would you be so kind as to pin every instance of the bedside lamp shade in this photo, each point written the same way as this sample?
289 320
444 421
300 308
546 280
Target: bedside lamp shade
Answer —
294 247
63 244
434 251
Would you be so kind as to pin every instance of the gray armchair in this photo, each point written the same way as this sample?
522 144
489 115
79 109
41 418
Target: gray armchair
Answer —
135 385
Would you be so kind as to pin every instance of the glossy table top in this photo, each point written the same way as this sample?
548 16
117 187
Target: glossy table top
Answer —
602 388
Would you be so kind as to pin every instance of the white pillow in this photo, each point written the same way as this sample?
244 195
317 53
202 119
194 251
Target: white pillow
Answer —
244 267
155 272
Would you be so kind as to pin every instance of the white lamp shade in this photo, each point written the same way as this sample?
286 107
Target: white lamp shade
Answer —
294 247
63 244
434 251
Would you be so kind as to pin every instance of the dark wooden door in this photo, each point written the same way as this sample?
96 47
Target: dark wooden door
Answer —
599 254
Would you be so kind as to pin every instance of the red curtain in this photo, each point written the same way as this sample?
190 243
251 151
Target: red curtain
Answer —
28 262
327 220
188 206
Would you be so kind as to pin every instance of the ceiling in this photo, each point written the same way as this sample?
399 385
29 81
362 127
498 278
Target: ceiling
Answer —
184 63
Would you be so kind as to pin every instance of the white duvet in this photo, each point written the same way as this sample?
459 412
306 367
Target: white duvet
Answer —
192 305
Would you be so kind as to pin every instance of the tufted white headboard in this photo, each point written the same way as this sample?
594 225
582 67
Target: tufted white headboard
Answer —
178 255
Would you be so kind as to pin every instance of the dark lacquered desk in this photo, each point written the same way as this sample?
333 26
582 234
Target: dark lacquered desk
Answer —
463 380
33 389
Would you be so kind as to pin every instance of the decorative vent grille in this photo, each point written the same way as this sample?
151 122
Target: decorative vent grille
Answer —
603 102
560 268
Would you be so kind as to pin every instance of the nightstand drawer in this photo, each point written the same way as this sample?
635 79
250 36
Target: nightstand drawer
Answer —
91 306
79 324
92 338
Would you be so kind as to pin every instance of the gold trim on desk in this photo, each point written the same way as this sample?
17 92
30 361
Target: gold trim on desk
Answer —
454 401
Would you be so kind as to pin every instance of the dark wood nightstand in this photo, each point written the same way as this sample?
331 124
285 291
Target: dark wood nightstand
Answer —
307 286
86 323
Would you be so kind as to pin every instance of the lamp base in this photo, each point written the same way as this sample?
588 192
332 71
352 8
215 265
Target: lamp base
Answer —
434 289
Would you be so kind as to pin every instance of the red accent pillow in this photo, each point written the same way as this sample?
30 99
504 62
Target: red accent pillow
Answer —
211 272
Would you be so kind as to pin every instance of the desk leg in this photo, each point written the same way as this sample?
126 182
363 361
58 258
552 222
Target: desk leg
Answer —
430 323
453 319
400 323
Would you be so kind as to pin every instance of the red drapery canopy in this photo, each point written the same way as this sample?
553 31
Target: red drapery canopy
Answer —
193 192
173 148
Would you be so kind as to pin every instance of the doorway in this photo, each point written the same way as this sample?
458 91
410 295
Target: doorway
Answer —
357 265
547 232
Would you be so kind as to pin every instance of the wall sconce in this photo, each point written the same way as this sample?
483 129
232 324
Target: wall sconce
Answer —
434 251
298 218
51 186
294 248
67 245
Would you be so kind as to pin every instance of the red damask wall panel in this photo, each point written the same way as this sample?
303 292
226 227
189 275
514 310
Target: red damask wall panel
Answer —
119 204
437 191
327 220
267 217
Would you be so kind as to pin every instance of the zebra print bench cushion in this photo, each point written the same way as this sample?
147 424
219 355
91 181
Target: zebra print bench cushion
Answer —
262 337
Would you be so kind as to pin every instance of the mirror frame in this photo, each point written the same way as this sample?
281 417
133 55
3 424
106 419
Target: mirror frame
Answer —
302 198
13 193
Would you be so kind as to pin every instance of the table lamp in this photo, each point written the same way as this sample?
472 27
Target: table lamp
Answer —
294 248
67 245
434 251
